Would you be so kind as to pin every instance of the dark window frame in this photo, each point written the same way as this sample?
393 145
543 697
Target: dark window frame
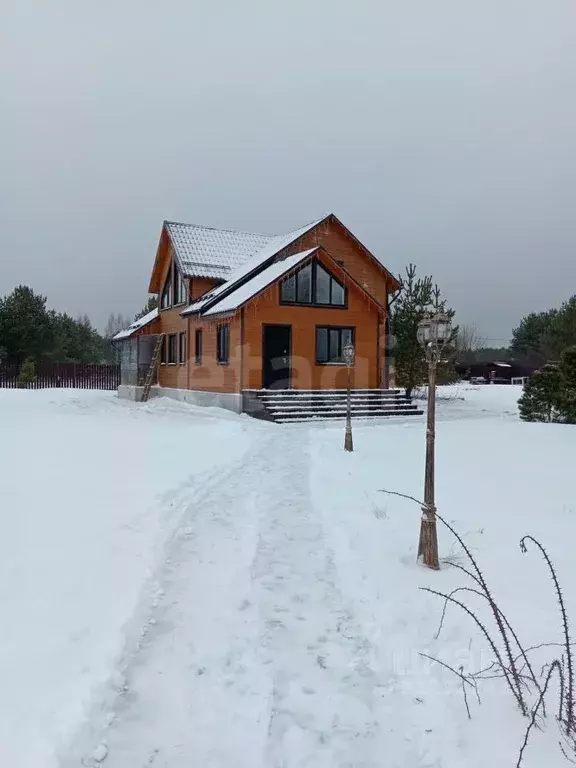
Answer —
223 344
167 291
312 303
172 349
198 346
182 348
164 351
174 284
329 328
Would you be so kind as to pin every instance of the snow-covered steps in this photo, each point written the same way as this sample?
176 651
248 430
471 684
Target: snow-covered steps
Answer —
300 405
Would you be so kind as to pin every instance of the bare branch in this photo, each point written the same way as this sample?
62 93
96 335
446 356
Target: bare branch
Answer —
443 664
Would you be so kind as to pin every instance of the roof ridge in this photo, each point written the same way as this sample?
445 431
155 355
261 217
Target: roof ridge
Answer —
218 229
245 232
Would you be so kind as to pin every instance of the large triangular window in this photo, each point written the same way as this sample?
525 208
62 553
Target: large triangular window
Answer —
313 284
174 291
166 300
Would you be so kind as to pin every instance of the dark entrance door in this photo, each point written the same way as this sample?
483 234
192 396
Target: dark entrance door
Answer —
276 353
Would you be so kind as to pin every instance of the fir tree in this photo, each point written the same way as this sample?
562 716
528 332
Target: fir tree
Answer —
27 374
541 396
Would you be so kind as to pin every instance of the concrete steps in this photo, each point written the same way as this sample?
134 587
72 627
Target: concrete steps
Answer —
290 405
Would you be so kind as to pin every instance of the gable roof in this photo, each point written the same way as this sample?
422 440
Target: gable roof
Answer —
258 283
207 252
136 325
233 257
250 267
262 280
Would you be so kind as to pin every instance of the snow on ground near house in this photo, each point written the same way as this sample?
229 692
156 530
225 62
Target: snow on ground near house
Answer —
282 621
89 486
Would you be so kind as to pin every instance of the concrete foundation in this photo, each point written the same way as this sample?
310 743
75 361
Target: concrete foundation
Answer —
229 400
128 392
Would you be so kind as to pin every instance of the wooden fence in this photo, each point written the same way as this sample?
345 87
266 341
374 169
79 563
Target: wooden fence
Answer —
75 375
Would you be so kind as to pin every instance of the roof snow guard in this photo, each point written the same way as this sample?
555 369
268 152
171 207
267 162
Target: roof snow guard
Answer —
214 253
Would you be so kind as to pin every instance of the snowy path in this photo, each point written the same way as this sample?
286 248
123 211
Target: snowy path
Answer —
250 656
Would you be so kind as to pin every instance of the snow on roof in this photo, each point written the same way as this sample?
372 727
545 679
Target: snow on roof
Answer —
208 252
258 283
136 325
270 249
503 365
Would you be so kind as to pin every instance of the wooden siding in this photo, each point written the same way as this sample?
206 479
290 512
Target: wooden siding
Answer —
174 375
211 375
244 369
343 248
361 314
200 285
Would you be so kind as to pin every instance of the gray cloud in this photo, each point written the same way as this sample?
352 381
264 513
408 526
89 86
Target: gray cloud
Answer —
442 133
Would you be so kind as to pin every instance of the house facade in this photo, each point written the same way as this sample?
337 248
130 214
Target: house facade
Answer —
240 312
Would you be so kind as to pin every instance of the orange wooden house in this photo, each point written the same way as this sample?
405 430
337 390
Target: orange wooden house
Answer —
244 314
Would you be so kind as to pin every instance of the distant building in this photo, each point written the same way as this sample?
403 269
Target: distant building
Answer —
496 372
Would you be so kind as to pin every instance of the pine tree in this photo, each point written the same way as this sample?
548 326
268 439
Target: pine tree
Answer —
417 296
26 327
27 374
151 304
567 403
542 394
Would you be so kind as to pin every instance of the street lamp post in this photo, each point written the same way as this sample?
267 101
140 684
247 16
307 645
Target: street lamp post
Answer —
433 332
348 355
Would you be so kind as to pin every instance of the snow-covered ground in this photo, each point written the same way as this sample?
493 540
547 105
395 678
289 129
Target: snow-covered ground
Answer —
181 586
90 487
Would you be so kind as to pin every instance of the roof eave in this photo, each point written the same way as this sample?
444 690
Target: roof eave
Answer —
154 284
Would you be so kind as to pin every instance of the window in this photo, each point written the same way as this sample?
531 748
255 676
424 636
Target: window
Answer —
166 300
179 286
182 348
223 343
304 285
198 345
330 342
312 285
174 291
163 350
172 348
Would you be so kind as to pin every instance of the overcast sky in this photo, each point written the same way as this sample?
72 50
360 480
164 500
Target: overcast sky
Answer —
442 132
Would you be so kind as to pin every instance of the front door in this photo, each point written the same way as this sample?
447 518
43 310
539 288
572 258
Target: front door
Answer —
276 351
